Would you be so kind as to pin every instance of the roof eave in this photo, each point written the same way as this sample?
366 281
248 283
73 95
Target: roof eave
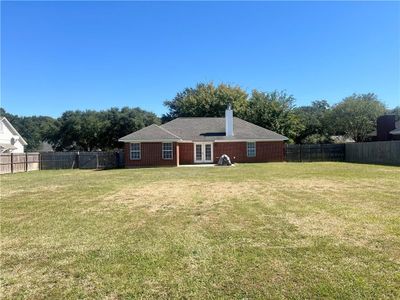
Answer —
253 140
148 141
395 132
14 131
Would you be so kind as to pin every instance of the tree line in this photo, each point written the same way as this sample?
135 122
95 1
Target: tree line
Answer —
81 130
353 117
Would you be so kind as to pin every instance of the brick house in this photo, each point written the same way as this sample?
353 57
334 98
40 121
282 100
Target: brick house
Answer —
387 129
202 140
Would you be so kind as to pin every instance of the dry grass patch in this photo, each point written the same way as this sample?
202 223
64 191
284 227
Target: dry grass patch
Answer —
262 231
183 194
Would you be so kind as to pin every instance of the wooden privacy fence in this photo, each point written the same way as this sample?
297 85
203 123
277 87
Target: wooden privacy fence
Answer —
372 152
58 160
19 162
81 160
100 160
315 152
387 152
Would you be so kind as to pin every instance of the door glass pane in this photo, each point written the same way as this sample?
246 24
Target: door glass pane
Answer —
208 152
198 152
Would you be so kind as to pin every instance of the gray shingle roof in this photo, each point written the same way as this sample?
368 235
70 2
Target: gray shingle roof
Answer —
202 129
210 129
395 131
150 133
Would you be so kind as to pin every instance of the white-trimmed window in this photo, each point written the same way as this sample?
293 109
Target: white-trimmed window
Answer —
135 151
167 152
251 149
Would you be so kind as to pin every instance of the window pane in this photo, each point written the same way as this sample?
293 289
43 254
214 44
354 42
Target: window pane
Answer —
135 146
135 151
167 146
198 152
251 149
167 154
208 152
167 151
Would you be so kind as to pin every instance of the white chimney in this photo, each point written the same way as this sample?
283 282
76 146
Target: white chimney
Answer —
229 121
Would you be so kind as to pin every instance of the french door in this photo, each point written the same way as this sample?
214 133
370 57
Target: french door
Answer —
203 152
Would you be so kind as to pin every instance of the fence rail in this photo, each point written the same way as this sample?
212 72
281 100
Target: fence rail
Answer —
81 160
387 153
371 152
19 162
315 152
24 162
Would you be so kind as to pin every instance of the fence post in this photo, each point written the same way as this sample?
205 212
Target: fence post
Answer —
301 158
12 163
321 154
77 160
26 161
97 160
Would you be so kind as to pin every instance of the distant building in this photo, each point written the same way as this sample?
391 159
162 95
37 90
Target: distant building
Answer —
387 129
45 147
10 140
341 139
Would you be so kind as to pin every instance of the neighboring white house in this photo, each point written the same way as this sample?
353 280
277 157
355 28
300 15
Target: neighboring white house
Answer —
10 139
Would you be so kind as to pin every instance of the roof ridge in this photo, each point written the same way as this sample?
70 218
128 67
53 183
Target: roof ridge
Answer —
167 131
197 118
261 127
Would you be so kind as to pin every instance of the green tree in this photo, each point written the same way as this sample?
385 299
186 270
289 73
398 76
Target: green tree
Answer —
274 111
314 119
206 100
90 130
34 129
355 116
120 122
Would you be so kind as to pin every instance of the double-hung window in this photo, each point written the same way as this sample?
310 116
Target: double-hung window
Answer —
251 149
167 152
135 151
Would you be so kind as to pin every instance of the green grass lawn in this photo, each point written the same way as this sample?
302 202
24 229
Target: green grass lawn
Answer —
278 230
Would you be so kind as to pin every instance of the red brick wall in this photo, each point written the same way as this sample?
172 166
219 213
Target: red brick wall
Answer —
151 155
237 151
186 153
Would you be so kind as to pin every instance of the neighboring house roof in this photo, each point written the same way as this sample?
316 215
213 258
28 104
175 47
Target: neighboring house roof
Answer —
5 146
396 130
45 147
339 139
13 130
203 129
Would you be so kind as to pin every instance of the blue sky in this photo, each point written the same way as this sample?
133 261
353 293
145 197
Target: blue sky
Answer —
59 56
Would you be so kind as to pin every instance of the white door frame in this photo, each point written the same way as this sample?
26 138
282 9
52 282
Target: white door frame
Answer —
203 152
